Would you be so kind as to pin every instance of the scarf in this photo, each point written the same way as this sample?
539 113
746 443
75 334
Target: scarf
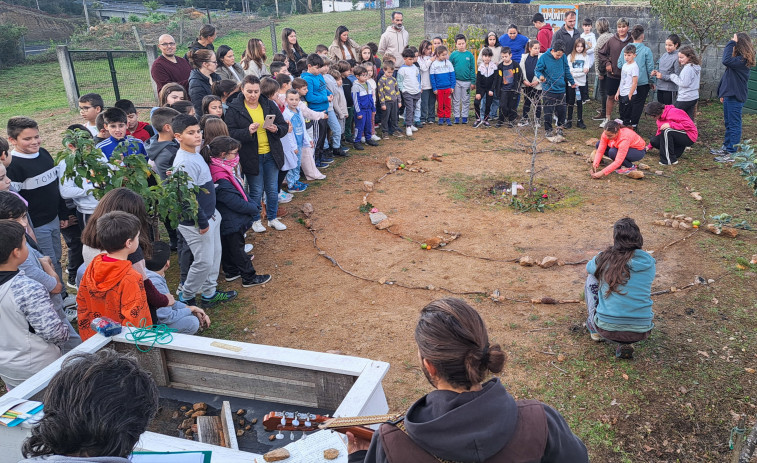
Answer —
220 171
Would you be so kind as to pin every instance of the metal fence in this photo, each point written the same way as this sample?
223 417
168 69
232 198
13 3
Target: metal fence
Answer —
114 74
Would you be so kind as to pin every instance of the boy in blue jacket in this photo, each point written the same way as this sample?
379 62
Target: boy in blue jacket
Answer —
362 98
318 99
116 123
553 71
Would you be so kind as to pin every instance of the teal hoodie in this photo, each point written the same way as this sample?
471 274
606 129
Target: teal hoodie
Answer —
629 309
555 71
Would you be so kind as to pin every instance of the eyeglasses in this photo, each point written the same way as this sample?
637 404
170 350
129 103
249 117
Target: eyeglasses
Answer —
168 44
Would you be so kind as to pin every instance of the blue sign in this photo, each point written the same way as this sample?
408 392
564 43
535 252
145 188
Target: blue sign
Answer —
554 14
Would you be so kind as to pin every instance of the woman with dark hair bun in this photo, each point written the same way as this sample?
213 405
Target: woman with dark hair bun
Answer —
466 419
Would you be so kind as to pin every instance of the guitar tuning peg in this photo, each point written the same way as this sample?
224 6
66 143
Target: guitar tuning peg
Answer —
279 436
291 436
283 421
303 435
308 423
295 422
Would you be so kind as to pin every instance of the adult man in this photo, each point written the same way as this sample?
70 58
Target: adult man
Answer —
169 67
394 39
96 407
568 33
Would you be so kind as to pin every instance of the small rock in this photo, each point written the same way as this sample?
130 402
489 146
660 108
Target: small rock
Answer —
307 209
186 424
240 432
409 162
751 371
334 351
710 281
659 172
330 454
684 226
188 434
367 186
194 428
667 215
635 174
393 163
675 224
673 289
384 224
248 427
276 455
377 217
526 261
688 219
254 421
668 222
679 217
660 223
272 437
548 262
696 195
592 142
198 413
175 415
308 223
183 408
643 166
240 412
560 357
241 422
433 242
436 157
382 281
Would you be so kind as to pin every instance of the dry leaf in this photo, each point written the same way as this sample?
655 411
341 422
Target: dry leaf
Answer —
701 352
625 376
750 370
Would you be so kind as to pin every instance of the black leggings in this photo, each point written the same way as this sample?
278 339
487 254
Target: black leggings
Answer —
671 144
687 106
665 97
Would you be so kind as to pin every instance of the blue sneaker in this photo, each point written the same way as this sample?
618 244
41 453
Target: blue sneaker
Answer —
297 187
418 124
457 120
465 120
190 301
441 121
218 297
449 121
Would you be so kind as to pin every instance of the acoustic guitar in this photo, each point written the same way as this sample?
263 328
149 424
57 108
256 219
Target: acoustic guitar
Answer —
357 425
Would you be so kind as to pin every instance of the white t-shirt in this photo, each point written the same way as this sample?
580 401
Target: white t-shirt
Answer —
627 74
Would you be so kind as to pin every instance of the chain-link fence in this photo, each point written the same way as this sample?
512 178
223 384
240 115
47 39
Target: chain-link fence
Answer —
115 75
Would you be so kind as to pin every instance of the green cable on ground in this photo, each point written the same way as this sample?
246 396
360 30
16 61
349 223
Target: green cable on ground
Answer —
735 430
158 334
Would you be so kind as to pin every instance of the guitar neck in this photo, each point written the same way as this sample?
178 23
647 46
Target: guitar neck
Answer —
347 422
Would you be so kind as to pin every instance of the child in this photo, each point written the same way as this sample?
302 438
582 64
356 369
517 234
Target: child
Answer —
345 69
322 51
116 122
486 83
102 131
375 61
687 81
531 84
619 290
667 65
629 78
507 86
390 101
280 58
428 100
285 83
34 170
372 86
237 211
84 204
645 61
336 116
591 44
409 83
364 107
171 93
579 68
90 106
162 147
436 42
340 109
442 74
184 107
134 127
675 131
553 72
296 140
463 62
622 145
110 286
417 123
212 105
32 334
318 99
307 156
278 67
202 233
738 59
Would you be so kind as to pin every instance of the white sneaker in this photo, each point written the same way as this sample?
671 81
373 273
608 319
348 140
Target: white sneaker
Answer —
285 197
71 314
604 122
362 139
69 301
257 226
247 248
413 128
276 224
375 137
409 132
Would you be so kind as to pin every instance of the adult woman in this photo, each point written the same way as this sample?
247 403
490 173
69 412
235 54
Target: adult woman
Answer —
608 56
202 77
261 155
253 60
292 49
204 40
343 47
466 419
738 59
228 68
603 29
515 40
675 131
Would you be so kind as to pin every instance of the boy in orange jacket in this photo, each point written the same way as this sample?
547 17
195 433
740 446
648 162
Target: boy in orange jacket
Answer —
110 286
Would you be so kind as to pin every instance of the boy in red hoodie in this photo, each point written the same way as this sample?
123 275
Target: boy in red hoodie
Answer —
110 286
134 127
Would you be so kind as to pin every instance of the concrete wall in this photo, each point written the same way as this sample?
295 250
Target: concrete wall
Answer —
439 15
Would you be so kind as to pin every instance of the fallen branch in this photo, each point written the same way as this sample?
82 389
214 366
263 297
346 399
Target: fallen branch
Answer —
553 364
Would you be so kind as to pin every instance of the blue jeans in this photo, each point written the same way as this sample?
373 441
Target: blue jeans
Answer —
495 104
267 179
48 239
336 131
428 104
732 119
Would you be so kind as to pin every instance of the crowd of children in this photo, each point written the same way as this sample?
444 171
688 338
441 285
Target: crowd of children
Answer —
251 142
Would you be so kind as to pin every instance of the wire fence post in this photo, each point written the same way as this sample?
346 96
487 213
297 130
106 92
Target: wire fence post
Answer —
113 75
381 12
152 55
69 79
274 43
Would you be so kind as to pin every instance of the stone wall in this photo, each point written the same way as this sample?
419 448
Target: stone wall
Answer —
440 15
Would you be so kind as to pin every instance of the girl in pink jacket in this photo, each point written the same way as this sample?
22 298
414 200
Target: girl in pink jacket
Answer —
675 131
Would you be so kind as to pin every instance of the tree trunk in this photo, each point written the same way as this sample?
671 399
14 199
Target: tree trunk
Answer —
749 445
310 6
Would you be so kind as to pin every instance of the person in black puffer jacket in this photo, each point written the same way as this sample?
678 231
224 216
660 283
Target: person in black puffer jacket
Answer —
202 77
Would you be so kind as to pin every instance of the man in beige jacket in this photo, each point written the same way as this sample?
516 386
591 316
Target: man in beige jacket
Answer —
394 39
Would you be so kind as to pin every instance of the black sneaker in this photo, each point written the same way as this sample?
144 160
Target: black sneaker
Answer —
498 124
478 123
256 280
568 125
581 125
218 297
598 117
342 151
232 277
624 351
358 146
326 159
71 283
371 142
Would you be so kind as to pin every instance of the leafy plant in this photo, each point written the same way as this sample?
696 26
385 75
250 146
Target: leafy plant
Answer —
530 202
151 5
746 160
173 199
705 22
365 208
133 18
725 220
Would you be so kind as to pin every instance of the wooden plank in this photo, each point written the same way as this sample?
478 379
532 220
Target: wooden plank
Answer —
210 430
242 395
154 442
228 426
330 389
153 361
243 383
366 395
